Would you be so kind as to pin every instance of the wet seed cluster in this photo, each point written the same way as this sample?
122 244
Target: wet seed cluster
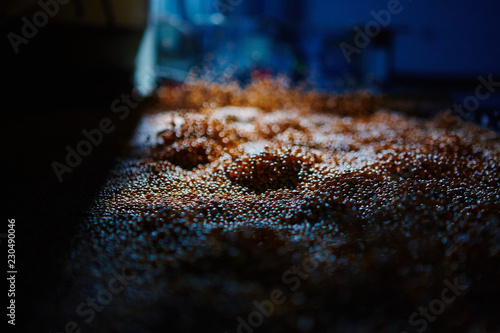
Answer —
213 214
197 141
270 170
268 95
190 153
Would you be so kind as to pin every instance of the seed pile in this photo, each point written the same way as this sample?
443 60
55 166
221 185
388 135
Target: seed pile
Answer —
270 170
215 210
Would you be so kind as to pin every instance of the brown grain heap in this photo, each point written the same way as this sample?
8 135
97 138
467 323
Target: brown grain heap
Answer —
241 184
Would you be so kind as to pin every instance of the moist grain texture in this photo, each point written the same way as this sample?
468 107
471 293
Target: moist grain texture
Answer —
221 201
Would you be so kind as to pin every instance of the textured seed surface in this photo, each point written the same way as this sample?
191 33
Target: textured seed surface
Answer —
237 186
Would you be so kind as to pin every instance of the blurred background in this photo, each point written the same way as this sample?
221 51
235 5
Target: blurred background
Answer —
66 61
422 47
